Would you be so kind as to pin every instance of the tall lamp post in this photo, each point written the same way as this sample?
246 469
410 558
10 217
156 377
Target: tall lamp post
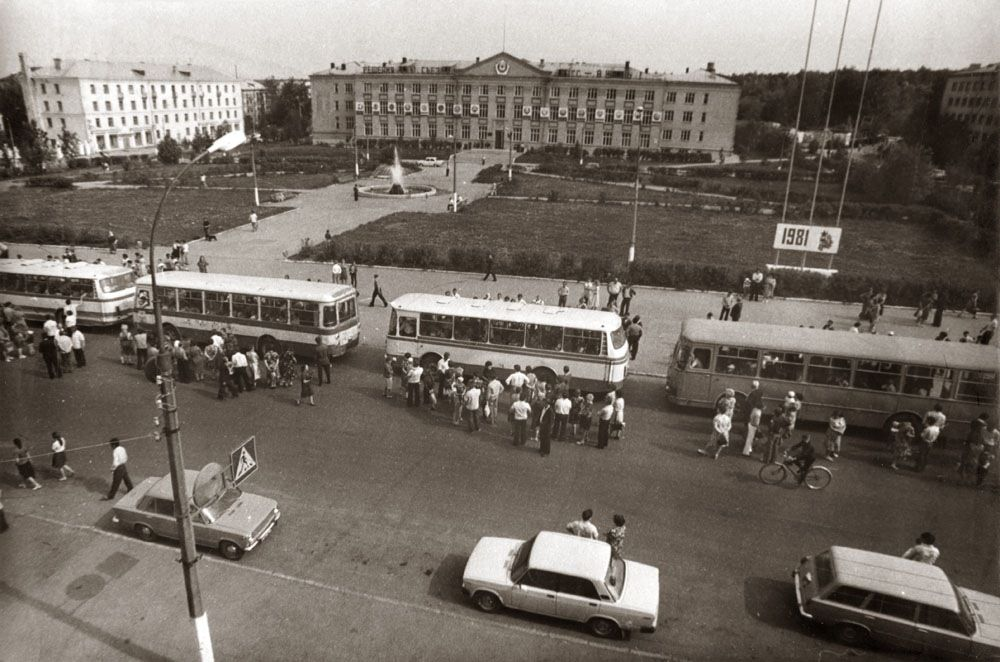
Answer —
253 165
635 208
454 170
171 426
510 156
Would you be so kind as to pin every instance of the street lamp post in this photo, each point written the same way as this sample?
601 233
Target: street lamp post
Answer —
253 165
171 426
510 156
454 170
635 210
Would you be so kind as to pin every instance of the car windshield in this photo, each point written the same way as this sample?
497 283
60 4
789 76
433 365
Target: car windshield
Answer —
615 579
520 564
222 503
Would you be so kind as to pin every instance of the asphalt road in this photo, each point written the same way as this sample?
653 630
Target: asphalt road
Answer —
382 504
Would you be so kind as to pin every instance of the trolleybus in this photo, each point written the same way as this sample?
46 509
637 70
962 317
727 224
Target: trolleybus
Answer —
103 294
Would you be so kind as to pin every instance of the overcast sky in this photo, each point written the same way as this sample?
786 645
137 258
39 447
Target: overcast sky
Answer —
297 37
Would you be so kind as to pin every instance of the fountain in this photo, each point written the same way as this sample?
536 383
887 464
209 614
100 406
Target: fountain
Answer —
396 189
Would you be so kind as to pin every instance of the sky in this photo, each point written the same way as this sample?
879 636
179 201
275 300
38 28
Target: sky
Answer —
261 38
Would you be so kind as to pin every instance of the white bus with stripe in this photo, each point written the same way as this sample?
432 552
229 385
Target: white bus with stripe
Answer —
268 313
591 343
103 294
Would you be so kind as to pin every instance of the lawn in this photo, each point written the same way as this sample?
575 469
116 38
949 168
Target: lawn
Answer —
872 249
291 180
536 186
43 215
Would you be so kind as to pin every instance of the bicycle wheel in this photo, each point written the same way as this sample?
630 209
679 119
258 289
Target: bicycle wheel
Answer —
818 478
773 473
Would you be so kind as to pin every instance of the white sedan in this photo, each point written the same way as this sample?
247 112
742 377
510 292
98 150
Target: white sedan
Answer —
565 576
431 161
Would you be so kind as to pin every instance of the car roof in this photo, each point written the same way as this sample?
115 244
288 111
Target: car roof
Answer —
570 555
894 575
162 489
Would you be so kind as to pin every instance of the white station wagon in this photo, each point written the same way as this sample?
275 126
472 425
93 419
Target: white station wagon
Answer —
566 576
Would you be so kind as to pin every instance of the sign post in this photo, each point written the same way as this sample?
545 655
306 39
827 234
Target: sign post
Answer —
243 461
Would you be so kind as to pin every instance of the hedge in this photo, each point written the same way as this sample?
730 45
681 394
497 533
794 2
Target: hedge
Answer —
653 272
50 181
53 234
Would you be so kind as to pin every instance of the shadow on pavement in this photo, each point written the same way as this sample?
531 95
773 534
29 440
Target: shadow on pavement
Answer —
446 582
772 602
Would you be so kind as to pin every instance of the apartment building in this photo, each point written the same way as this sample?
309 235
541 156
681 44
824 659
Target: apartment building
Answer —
972 96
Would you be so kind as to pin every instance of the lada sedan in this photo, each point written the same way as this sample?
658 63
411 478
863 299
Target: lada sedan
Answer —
232 521
565 576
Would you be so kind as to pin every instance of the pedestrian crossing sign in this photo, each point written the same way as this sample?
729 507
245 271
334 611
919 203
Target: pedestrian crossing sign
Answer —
243 460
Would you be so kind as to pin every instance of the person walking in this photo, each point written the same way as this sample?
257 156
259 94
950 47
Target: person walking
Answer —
489 267
126 346
721 425
633 334
545 428
202 265
305 386
471 403
356 192
928 436
141 347
561 408
618 421
616 536
22 458
585 418
59 457
196 357
78 342
520 413
352 271
755 407
322 361
119 470
604 417
628 293
50 354
205 229
903 435
253 219
241 371
770 283
834 434
614 289
923 550
583 527
377 293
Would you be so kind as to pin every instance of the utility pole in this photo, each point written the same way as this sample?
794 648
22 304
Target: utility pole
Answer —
635 207
253 164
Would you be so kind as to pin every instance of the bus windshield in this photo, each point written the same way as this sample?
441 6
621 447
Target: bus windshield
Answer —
117 283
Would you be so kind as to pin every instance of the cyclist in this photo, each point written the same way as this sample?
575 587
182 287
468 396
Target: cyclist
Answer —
802 455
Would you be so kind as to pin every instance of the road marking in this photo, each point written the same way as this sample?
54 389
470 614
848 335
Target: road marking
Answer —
333 588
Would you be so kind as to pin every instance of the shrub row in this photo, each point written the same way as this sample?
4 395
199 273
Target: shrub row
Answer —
51 233
50 181
653 272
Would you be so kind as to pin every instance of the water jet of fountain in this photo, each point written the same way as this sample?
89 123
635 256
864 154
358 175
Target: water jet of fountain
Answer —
396 174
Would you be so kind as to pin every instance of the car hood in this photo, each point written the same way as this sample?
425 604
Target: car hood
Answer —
247 513
986 610
642 589
491 560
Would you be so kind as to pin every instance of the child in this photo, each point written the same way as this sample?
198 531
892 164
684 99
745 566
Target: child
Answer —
59 457
584 418
834 433
306 382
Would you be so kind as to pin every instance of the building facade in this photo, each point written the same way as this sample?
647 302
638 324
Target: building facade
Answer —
256 104
119 108
502 99
972 96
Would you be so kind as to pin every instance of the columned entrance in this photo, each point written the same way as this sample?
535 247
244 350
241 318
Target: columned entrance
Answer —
498 139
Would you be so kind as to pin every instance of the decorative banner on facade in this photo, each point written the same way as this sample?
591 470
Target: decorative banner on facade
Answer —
526 111
474 109
408 108
442 109
359 106
619 114
376 107
657 115
636 115
581 113
425 109
390 107
563 113
543 112
456 109
600 114
811 238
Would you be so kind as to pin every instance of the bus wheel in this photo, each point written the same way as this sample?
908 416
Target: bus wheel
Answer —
429 360
903 417
267 343
546 375
170 333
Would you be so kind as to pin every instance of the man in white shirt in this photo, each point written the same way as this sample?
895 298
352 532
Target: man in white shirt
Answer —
520 413
119 470
444 363
413 376
493 391
516 379
583 527
928 436
472 405
562 407
78 343
69 314
335 272
218 340
65 345
924 551
240 372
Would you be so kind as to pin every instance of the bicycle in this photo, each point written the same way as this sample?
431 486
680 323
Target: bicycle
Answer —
774 473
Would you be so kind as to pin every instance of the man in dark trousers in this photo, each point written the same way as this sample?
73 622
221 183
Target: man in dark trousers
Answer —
355 192
489 267
205 226
632 335
322 361
119 470
50 354
377 293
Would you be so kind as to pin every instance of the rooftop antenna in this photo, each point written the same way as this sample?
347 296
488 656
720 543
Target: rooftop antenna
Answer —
504 44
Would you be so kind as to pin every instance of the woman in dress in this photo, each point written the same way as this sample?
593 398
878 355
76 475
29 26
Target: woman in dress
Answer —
305 381
253 363
618 422
288 367
903 435
197 359
616 536
182 361
59 457
271 363
545 419
576 402
770 282
24 467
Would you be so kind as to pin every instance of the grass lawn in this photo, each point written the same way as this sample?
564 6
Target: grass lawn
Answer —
31 214
537 186
269 181
869 248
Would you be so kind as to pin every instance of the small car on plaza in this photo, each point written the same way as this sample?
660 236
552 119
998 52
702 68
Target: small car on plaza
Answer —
866 597
565 576
431 162
229 520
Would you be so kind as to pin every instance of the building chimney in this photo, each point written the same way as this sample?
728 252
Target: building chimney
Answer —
647 70
710 68
57 63
477 59
333 65
687 70
542 64
627 65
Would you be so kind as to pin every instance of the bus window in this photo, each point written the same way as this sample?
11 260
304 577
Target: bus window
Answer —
786 366
142 300
736 361
542 336
977 386
472 329
507 333
245 306
927 381
167 297
701 358
12 282
79 288
330 315
407 326
347 310
36 284
117 283
273 310
189 301
217 303
304 313
878 376
580 341
435 326
829 370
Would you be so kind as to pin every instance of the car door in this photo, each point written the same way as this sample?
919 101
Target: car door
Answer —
895 621
577 599
536 592
160 518
942 633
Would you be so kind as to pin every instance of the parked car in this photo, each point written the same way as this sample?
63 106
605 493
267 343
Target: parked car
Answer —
868 597
565 576
462 202
232 521
431 162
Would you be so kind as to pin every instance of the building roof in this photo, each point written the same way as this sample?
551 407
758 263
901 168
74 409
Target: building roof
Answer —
979 69
252 86
139 71
894 575
570 555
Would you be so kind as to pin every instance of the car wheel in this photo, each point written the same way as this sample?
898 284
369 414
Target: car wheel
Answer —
230 550
852 635
144 532
604 628
487 601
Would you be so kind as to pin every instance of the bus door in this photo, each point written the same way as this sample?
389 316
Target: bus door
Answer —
690 377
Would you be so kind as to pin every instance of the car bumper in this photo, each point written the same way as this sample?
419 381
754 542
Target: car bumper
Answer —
266 532
649 629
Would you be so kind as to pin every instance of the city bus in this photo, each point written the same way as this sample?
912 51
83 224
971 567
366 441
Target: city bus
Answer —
590 342
267 313
875 380
103 294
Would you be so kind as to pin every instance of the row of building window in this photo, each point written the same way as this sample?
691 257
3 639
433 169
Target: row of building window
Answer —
106 88
981 118
138 139
973 85
972 102
537 91
156 118
534 134
535 112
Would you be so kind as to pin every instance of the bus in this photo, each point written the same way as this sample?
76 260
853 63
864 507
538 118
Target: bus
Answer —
104 294
267 313
590 342
874 380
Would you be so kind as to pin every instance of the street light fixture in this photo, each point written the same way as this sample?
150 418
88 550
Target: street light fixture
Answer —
635 206
171 426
